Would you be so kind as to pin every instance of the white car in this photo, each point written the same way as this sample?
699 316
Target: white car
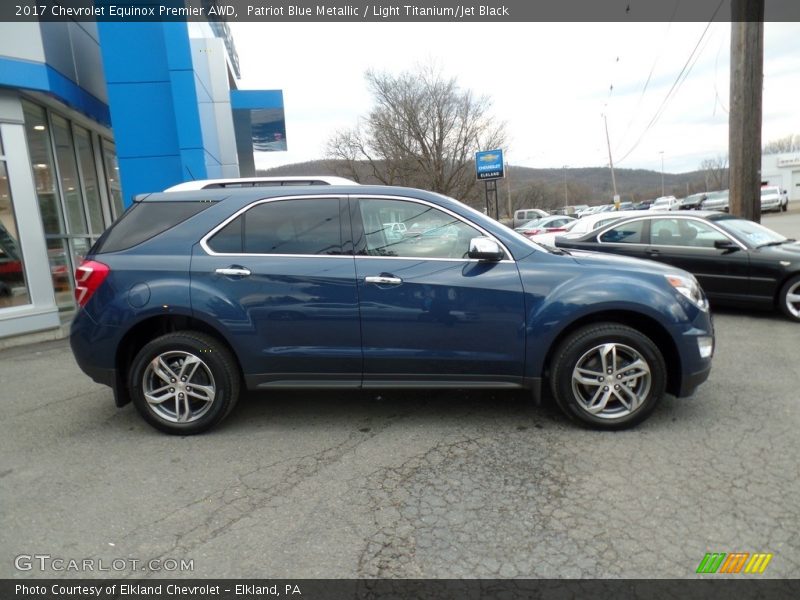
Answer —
584 225
771 199
666 203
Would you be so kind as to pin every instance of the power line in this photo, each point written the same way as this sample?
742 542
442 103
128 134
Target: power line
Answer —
682 75
649 76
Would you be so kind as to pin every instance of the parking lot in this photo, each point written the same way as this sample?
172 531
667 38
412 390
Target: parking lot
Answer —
409 484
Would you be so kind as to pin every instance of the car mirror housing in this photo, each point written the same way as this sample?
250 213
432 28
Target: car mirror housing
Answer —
484 248
725 245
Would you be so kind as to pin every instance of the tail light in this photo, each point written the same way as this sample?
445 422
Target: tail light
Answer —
554 229
88 277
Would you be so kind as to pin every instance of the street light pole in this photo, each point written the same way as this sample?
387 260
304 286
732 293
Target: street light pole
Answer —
566 198
662 172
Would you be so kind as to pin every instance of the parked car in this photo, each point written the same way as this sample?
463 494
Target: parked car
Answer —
716 201
693 201
666 203
524 215
581 226
771 199
736 261
190 297
643 204
544 225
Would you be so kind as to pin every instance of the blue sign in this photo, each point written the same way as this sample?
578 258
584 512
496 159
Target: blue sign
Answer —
489 164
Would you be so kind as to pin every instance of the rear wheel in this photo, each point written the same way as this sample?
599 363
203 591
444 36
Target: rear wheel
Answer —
184 383
789 298
608 376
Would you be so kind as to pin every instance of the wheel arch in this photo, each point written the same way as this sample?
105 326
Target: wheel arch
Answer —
150 328
642 323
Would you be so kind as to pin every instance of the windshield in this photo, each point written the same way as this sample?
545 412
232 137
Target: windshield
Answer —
769 191
754 233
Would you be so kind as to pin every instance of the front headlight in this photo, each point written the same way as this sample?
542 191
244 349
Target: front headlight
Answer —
689 288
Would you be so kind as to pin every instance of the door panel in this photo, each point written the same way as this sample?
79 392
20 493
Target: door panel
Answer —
689 245
427 313
456 320
293 317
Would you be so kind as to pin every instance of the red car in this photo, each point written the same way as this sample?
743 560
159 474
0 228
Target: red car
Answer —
550 224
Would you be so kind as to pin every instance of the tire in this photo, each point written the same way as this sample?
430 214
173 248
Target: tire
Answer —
789 299
609 351
178 407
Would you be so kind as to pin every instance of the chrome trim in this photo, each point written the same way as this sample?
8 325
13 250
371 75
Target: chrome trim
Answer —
233 272
380 279
223 224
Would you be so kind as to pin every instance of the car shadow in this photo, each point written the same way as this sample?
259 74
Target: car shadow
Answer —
367 408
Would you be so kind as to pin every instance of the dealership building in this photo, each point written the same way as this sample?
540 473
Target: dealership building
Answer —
782 170
92 114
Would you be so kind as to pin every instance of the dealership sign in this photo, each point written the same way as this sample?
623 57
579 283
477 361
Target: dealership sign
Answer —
489 164
791 161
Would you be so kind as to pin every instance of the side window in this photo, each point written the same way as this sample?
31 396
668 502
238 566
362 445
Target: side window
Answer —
413 230
683 232
626 233
283 227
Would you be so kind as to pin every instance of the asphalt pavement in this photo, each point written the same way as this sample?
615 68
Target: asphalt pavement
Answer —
407 484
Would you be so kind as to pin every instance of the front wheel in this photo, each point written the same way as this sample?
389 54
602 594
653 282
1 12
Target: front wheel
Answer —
608 376
789 298
184 383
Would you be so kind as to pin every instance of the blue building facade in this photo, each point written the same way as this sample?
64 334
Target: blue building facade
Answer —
92 114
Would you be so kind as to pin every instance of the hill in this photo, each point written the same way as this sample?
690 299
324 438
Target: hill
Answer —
537 187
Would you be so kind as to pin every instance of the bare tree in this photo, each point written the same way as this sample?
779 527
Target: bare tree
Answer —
789 143
716 172
423 131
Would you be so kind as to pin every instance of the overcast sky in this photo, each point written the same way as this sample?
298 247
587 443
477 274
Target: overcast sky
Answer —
550 82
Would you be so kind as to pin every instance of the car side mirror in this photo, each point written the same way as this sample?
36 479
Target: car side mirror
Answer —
483 248
726 245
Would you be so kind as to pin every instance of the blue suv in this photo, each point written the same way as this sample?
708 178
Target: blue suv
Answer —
191 296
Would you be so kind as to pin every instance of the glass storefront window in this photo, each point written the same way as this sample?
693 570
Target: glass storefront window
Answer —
89 172
39 147
13 287
112 177
70 187
68 170
61 273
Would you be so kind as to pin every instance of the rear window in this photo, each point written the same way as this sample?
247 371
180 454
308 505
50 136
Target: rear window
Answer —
145 220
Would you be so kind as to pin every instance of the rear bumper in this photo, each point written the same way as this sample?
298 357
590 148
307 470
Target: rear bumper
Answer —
94 350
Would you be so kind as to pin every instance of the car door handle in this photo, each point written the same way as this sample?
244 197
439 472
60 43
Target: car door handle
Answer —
652 252
383 280
233 271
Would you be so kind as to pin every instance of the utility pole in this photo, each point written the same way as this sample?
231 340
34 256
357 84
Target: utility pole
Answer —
566 198
610 161
662 172
747 75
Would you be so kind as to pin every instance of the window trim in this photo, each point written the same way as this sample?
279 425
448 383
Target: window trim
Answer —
204 240
357 197
649 221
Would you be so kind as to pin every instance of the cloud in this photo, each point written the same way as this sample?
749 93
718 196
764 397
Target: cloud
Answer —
550 82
